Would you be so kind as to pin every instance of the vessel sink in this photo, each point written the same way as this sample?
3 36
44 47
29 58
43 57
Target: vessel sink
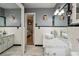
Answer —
50 41
49 36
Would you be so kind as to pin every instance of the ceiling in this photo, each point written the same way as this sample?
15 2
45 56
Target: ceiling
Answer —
28 5
8 5
39 5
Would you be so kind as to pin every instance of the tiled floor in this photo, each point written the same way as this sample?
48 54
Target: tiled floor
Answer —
31 50
13 51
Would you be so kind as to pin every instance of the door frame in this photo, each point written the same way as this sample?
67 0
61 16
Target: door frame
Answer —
34 18
22 26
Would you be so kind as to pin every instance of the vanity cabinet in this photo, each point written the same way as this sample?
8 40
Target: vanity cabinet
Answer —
6 42
1 46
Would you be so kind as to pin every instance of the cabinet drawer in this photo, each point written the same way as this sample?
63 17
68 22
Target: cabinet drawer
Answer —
10 40
1 41
1 48
5 40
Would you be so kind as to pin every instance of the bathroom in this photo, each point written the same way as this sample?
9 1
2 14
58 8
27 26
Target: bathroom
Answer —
55 28
61 23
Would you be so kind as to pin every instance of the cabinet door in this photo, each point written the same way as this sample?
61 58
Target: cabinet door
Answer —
1 45
5 41
10 40
1 48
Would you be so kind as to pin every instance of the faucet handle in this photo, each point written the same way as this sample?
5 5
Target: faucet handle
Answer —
52 32
55 33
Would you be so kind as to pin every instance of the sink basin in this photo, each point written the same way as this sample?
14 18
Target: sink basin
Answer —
50 41
49 36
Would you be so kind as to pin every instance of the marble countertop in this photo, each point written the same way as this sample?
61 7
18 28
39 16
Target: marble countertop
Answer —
4 35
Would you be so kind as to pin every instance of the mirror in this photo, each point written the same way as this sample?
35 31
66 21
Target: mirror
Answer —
10 15
60 16
2 21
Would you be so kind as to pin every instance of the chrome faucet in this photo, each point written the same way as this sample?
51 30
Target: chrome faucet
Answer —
54 33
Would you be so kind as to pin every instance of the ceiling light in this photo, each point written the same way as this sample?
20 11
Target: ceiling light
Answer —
69 12
56 12
61 12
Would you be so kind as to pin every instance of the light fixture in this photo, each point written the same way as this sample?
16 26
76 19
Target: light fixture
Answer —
69 12
56 12
44 17
61 12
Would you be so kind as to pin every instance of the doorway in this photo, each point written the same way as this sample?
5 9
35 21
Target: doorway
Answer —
30 48
30 30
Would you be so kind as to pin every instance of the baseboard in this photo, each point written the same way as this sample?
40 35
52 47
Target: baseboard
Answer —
38 45
17 45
